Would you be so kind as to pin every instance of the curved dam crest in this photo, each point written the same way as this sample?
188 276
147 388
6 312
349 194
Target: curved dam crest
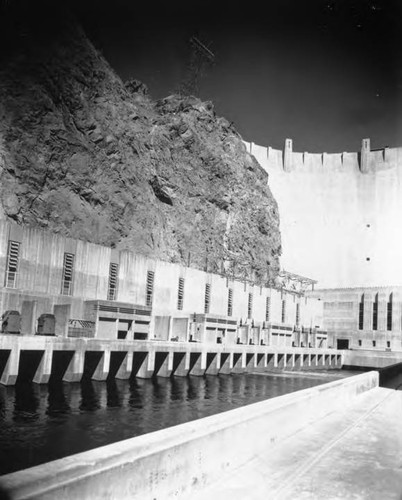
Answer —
340 213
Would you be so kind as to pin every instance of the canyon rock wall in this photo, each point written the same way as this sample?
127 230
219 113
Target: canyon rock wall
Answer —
87 156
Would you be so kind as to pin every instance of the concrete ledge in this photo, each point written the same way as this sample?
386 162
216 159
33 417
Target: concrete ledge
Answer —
179 460
371 359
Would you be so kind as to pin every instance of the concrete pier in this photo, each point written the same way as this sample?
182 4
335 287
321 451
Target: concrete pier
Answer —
10 371
200 363
75 369
44 370
126 367
183 364
92 358
102 370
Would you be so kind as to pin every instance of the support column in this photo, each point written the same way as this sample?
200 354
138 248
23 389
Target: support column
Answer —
298 361
183 367
287 155
167 366
365 156
368 311
75 368
200 365
62 314
126 368
250 362
320 360
272 361
240 359
382 311
260 362
396 311
147 368
102 370
10 372
28 317
215 365
226 363
44 370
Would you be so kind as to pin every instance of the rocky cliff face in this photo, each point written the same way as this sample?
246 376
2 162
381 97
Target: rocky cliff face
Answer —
87 156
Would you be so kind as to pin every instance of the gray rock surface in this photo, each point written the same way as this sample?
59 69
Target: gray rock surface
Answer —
87 156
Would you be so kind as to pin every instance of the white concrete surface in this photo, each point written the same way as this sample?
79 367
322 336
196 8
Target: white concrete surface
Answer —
336 216
179 461
353 453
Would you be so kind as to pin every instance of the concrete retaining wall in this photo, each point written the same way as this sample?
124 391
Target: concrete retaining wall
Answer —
181 459
371 359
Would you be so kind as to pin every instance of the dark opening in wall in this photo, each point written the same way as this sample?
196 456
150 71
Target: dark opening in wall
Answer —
180 294
29 363
61 360
361 312
207 298
375 312
230 301
389 313
116 360
92 359
150 288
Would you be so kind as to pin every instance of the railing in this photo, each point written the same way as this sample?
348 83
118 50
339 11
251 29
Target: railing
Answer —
81 328
11 279
66 287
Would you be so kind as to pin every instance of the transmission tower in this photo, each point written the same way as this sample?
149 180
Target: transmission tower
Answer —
201 57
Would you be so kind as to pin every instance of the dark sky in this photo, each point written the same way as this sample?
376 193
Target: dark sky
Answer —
324 72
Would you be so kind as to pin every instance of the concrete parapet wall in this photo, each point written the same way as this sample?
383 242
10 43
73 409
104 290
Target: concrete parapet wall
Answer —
377 160
180 460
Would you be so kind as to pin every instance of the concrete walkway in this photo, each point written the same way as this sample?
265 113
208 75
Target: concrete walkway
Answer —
351 454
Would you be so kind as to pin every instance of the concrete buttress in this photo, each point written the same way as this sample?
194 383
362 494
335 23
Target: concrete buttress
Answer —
44 370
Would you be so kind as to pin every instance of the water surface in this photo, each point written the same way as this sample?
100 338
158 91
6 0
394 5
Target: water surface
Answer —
43 423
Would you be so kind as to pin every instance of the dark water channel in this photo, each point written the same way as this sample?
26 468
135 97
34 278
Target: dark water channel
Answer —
43 423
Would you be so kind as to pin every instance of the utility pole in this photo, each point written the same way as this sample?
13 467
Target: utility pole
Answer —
201 57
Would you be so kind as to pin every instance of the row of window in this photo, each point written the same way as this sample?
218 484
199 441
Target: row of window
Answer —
68 280
375 313
374 343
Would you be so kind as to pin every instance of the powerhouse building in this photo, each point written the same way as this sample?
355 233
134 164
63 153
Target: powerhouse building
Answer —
61 286
362 318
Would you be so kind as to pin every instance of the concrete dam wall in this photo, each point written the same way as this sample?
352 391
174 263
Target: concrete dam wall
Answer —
340 213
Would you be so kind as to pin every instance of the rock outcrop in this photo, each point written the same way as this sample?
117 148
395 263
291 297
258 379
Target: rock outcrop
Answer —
85 155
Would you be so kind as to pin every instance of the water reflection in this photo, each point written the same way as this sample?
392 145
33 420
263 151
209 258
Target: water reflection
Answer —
42 423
